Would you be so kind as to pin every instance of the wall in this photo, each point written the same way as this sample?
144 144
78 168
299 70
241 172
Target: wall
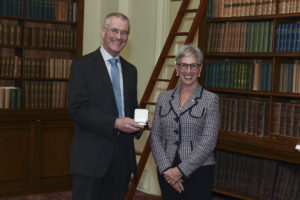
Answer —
142 50
141 46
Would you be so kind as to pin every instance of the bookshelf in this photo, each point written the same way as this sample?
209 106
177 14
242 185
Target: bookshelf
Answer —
251 50
38 41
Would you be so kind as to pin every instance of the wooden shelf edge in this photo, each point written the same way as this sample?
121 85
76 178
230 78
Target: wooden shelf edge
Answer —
241 55
232 194
254 18
33 114
38 20
276 148
252 92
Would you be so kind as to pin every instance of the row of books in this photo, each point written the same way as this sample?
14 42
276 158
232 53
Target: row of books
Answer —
240 37
54 37
10 97
12 7
288 6
286 118
256 177
288 38
255 75
287 184
289 77
244 115
11 67
11 34
47 68
59 10
237 8
244 174
46 94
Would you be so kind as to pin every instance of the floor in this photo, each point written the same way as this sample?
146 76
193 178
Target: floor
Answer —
68 196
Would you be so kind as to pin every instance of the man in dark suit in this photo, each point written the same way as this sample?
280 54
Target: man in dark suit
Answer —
102 99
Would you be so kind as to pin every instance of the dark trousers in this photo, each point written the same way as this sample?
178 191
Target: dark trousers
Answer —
114 184
197 186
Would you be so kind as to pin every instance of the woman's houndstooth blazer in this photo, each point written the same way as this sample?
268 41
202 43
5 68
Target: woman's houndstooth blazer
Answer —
190 131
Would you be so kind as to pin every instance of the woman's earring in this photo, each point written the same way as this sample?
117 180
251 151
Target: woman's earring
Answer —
176 74
198 75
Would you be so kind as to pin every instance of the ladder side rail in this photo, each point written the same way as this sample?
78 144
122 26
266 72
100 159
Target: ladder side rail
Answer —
164 53
200 14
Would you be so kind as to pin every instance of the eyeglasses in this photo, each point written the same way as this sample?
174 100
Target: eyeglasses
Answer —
185 66
115 31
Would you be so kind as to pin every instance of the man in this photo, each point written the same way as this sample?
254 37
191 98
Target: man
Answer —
102 99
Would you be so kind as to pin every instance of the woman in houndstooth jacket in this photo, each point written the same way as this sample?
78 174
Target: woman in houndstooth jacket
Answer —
184 132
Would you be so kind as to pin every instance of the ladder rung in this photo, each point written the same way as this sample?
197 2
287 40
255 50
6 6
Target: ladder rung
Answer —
138 153
181 33
170 57
149 103
190 11
161 79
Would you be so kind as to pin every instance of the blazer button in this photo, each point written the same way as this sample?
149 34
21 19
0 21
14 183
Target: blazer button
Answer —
176 131
176 119
176 143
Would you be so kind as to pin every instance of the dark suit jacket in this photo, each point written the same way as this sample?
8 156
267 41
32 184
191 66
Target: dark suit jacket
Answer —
93 108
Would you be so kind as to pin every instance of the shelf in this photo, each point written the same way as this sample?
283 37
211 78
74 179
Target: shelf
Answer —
251 92
26 19
37 48
24 114
276 147
232 194
253 55
242 18
255 18
45 79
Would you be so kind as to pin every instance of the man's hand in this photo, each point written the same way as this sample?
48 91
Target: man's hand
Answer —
127 125
172 175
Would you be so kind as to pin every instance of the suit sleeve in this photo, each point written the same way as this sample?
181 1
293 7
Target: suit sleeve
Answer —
207 142
157 148
82 113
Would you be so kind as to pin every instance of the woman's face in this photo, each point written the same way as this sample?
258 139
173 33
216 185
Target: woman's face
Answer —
188 70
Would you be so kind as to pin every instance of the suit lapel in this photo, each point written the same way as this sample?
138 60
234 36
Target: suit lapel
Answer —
175 101
100 67
126 82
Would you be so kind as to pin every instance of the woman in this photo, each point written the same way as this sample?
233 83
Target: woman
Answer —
184 132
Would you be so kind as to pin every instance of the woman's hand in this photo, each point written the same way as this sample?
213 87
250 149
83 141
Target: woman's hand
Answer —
178 186
173 175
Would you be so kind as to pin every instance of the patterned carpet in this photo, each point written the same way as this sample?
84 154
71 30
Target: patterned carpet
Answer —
68 196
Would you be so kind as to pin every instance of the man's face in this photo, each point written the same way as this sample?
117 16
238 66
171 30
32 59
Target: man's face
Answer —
115 35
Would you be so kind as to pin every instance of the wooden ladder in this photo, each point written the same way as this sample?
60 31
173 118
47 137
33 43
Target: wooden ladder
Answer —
190 35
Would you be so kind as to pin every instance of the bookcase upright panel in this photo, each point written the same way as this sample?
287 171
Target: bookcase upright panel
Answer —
251 60
38 41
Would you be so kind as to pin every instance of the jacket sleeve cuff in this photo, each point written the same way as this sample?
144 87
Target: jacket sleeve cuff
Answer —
165 170
183 175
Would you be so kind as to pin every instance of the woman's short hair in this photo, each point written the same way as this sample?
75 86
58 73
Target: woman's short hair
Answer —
189 50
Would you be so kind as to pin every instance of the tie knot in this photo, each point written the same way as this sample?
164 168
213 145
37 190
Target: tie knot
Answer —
113 61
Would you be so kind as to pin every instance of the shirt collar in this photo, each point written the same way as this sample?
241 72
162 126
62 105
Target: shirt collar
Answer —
106 55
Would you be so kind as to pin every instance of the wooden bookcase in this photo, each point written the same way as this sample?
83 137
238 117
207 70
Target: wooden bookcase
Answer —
277 146
38 40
